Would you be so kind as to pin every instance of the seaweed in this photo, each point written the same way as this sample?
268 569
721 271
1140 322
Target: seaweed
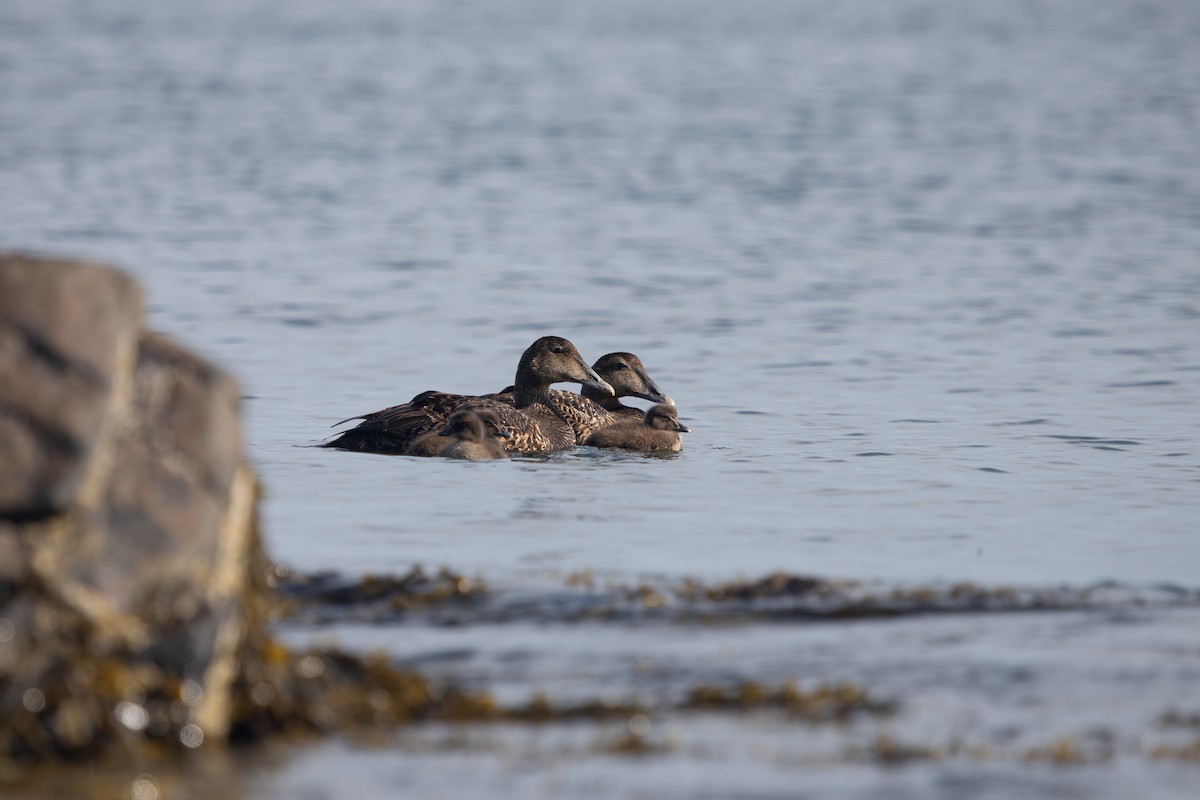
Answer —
824 703
328 595
448 598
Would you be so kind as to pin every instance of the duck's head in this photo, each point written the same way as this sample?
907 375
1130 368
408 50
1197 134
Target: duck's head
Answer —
628 378
492 423
552 359
663 417
474 425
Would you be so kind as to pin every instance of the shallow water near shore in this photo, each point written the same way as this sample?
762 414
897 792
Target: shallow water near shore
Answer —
923 278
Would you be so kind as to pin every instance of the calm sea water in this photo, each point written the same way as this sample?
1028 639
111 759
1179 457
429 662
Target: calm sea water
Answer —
923 278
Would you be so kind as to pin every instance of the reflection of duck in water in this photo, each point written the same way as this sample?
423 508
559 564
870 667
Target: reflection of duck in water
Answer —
658 430
595 409
533 423
469 433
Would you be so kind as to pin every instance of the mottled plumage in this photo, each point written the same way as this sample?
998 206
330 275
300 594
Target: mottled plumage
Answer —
534 425
594 410
659 429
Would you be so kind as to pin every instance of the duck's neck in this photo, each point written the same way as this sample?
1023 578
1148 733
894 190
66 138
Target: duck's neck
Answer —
528 390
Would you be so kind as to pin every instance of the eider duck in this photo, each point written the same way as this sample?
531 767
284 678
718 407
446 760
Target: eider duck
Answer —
466 436
593 410
658 430
480 425
534 425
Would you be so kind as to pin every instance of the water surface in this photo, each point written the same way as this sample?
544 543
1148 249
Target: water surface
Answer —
923 277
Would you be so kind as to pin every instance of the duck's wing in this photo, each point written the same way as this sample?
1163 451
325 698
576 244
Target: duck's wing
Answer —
535 429
392 430
621 434
426 445
430 399
505 395
628 435
583 415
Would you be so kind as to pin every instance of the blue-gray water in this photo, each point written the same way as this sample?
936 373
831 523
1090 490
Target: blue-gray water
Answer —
923 278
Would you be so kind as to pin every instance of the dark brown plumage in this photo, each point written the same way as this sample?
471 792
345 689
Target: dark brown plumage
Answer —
593 409
533 423
658 430
433 443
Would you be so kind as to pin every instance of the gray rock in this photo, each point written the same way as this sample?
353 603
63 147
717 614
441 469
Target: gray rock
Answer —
134 589
131 564
68 339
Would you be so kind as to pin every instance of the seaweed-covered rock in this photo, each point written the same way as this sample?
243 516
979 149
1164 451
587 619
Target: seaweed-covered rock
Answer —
131 573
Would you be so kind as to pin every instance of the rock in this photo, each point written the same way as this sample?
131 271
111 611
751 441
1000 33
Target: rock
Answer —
134 588
131 571
68 342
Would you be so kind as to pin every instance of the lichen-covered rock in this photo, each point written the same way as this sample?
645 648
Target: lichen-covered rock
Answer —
131 573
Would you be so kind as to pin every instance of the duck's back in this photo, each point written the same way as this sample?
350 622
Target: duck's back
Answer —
430 443
533 429
584 416
630 435
397 429
536 426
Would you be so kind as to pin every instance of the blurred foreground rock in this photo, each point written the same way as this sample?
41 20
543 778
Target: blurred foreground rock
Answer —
134 589
132 578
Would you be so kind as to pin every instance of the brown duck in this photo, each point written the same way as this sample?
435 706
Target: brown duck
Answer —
658 430
466 436
533 423
594 409
470 431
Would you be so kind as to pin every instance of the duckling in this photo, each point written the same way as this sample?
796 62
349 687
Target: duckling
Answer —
469 438
432 443
532 421
658 430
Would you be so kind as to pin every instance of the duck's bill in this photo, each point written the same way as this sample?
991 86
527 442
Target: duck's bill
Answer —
595 381
503 433
683 428
653 393
657 397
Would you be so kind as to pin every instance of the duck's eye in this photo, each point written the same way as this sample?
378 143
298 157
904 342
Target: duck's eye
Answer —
619 367
558 349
